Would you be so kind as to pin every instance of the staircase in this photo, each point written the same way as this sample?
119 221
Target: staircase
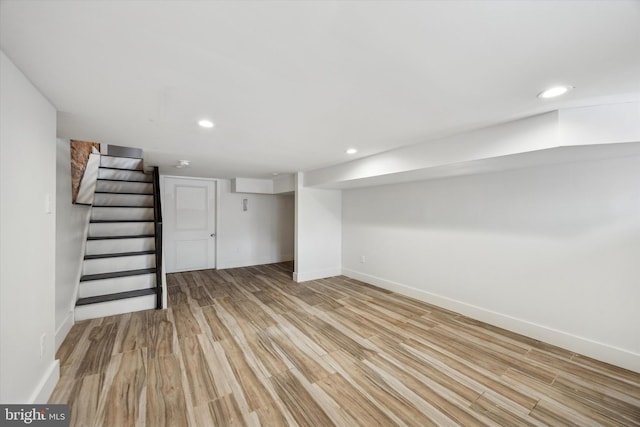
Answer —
119 272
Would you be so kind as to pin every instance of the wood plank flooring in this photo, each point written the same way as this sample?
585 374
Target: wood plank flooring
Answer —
250 347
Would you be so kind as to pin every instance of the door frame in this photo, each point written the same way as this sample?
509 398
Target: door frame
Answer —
163 186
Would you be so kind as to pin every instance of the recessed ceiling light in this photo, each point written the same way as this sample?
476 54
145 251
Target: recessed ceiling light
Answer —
183 164
351 151
205 123
554 91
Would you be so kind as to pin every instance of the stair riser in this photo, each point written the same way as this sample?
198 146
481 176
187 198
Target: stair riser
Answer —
124 175
118 214
94 288
110 308
122 200
98 247
124 187
120 162
125 263
121 229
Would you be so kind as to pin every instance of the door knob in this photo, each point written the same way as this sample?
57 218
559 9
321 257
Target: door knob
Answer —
213 234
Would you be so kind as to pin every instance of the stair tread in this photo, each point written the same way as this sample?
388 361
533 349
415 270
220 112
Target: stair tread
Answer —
122 206
115 274
119 254
123 180
123 169
148 179
121 157
116 296
107 221
122 192
132 236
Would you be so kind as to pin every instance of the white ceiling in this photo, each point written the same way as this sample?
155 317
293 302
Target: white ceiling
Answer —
291 85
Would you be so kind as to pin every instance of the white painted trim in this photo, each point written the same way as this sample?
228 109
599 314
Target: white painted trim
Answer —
87 188
597 350
64 329
216 208
315 275
47 383
236 263
165 298
83 251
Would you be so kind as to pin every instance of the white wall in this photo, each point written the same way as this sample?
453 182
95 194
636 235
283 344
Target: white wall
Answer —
600 124
71 227
318 232
277 185
494 148
519 136
27 243
261 235
252 185
552 252
284 183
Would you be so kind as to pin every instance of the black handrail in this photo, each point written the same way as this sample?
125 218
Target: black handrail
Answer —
157 220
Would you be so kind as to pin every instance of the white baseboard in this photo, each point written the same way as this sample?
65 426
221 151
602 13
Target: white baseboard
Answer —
237 263
45 387
317 274
63 329
585 346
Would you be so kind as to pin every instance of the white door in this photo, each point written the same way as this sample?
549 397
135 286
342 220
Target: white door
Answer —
189 215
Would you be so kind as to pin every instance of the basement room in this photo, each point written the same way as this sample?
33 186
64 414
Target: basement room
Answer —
320 213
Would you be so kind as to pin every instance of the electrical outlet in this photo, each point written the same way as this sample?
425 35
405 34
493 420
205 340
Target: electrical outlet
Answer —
363 259
43 337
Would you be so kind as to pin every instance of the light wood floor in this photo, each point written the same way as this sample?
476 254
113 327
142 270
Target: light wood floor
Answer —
249 346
